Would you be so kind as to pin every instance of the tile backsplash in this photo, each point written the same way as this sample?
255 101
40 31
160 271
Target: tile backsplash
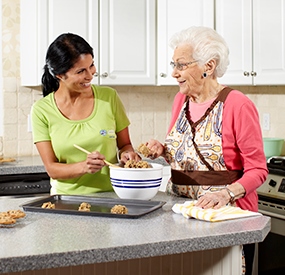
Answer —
148 107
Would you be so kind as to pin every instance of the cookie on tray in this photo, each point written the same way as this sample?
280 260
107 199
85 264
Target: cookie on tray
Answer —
119 209
84 206
48 205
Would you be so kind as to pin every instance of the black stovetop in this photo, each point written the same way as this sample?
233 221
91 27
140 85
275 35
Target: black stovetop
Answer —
276 165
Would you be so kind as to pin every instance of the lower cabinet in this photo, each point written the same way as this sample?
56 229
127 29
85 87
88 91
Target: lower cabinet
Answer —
211 262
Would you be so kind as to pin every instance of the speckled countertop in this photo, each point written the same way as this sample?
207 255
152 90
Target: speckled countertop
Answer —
44 240
34 164
23 165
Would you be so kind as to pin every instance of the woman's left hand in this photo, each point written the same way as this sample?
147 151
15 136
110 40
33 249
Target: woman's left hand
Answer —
213 200
129 155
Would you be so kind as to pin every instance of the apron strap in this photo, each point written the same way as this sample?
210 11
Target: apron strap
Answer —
221 98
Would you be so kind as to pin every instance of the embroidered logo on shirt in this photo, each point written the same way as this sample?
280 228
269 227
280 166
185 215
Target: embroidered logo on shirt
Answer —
110 133
103 132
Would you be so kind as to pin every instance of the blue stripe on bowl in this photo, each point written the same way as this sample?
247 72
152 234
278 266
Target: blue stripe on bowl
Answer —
135 187
122 181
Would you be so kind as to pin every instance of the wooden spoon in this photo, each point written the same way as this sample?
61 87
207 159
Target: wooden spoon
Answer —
87 152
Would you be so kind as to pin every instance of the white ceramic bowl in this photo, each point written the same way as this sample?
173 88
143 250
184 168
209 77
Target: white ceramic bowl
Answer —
136 183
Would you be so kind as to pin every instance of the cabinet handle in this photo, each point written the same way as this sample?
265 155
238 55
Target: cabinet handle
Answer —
163 75
96 74
253 73
246 73
104 74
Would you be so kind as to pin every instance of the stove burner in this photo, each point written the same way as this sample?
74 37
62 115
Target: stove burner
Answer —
276 165
278 161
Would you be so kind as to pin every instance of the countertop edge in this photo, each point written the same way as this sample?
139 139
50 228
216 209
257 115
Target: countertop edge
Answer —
92 256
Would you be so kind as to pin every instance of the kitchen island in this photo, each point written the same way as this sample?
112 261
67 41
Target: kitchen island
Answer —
160 242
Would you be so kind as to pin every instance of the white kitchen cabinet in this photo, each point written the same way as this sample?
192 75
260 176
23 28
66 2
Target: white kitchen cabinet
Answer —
255 33
127 42
173 16
42 21
122 34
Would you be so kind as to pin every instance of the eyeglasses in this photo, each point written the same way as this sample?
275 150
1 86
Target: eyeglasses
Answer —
181 66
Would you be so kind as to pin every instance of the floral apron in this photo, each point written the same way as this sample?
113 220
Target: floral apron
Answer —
194 151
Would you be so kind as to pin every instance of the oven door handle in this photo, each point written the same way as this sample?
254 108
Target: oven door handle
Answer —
270 214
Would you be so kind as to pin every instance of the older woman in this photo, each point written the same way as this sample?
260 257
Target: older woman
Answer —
214 143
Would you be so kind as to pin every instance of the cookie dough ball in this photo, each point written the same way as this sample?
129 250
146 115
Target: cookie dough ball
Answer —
84 206
119 209
144 150
48 205
137 164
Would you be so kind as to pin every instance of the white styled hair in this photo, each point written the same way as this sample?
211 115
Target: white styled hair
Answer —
206 43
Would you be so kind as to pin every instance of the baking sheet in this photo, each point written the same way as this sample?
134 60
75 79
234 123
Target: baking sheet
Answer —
99 206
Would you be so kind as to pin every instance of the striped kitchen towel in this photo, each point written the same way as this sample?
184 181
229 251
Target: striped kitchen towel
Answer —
189 210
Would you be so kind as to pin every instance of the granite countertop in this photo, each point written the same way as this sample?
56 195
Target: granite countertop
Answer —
23 165
34 164
44 240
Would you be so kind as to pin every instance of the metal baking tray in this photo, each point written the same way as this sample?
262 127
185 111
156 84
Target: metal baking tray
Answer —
99 206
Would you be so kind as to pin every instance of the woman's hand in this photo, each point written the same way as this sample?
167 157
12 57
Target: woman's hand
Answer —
129 155
126 150
156 148
214 200
94 162
221 198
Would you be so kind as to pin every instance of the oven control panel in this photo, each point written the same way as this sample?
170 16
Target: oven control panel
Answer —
24 184
274 186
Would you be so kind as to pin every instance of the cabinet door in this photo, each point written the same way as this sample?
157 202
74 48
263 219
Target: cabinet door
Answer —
173 16
32 43
255 32
233 23
268 42
42 21
127 42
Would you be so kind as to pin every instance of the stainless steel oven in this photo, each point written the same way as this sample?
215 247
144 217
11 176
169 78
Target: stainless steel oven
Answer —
271 202
24 184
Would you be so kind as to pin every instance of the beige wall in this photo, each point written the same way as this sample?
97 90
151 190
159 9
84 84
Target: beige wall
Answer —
148 107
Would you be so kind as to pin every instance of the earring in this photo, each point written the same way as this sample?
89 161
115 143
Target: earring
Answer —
204 75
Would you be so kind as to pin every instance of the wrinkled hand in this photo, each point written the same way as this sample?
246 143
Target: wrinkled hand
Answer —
213 200
156 148
94 162
129 155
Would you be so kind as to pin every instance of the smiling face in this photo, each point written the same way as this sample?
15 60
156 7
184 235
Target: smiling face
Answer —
79 77
190 78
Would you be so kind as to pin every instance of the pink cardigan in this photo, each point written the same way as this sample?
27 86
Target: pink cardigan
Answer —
242 142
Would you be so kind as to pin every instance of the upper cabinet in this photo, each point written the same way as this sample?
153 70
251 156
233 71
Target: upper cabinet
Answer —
122 34
130 38
42 21
173 16
127 42
255 33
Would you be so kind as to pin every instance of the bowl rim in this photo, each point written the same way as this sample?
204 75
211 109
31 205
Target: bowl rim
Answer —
156 166
272 139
